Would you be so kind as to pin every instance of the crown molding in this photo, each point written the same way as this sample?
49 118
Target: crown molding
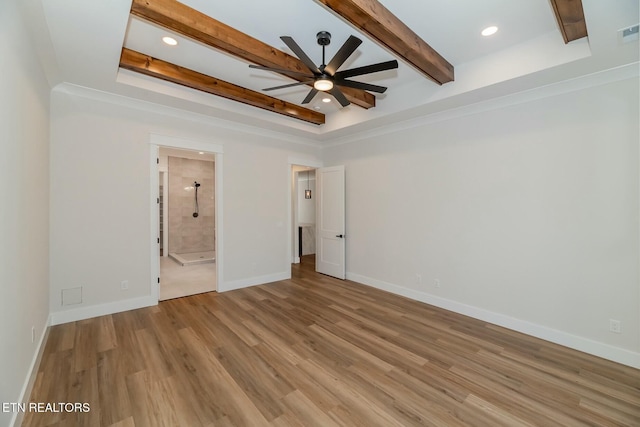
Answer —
624 72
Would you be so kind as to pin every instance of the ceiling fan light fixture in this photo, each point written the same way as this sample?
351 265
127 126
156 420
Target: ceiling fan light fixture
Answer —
323 84
489 31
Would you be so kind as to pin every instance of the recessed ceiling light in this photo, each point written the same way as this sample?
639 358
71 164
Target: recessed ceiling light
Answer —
200 152
489 31
316 108
170 41
325 100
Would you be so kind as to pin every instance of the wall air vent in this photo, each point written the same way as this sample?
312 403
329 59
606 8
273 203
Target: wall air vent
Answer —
71 296
628 34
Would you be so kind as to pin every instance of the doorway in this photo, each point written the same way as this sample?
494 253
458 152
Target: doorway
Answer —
327 196
186 222
303 215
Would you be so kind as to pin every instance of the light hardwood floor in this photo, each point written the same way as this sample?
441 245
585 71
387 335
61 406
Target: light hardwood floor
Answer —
316 351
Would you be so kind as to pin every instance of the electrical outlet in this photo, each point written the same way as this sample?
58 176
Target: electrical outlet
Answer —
124 285
33 334
615 326
436 283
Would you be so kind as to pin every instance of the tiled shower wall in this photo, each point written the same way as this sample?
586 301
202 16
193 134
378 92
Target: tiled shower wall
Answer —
186 233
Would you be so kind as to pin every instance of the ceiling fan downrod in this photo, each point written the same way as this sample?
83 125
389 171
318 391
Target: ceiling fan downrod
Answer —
324 39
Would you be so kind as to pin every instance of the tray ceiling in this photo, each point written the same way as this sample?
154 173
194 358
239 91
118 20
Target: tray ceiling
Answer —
527 51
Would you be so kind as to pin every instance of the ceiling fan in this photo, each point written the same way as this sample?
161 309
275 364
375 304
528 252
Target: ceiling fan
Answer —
326 77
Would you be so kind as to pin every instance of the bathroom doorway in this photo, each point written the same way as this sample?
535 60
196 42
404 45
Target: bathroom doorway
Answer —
186 222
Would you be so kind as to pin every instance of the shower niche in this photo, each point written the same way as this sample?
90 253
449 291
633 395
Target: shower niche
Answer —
191 210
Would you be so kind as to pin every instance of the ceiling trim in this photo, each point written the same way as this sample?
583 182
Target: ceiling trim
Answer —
147 65
570 17
195 25
372 18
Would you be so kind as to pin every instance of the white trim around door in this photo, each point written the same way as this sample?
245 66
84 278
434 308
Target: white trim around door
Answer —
155 141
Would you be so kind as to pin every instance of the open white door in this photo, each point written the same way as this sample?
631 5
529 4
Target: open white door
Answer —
330 221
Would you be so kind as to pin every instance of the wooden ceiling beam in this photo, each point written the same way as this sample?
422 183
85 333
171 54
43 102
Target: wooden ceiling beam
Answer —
147 65
570 17
372 18
195 25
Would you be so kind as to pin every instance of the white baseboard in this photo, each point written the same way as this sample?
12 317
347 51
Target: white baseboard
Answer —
606 351
32 373
253 281
88 312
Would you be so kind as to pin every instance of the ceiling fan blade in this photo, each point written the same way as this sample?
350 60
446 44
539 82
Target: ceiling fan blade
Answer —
280 70
289 85
360 85
310 96
300 54
367 69
339 96
343 53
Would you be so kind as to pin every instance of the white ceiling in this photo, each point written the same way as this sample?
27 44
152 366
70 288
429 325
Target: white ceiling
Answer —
81 40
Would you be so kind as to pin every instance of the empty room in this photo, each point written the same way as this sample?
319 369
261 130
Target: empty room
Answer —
320 213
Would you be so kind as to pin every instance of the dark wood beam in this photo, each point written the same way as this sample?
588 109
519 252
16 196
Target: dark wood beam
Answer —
195 25
570 16
144 64
372 18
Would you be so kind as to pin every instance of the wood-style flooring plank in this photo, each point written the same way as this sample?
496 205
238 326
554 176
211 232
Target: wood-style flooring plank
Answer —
223 390
314 350
113 396
359 406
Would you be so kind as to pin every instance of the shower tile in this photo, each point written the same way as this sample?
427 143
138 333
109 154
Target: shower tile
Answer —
186 233
186 212
175 244
187 183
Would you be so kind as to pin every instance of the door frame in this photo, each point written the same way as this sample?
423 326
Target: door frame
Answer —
292 201
155 142
165 213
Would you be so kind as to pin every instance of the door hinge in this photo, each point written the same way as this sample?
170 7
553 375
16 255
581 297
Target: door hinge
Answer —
157 160
158 240
158 200
158 280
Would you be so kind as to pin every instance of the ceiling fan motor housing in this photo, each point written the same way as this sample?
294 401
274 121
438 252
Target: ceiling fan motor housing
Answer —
324 38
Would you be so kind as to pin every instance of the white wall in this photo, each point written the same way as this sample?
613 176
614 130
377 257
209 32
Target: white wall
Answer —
24 210
527 215
100 191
